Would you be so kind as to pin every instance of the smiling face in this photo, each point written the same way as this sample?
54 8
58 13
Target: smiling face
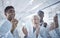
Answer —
10 14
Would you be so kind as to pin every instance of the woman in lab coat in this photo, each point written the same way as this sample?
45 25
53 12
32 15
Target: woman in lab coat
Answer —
34 33
36 26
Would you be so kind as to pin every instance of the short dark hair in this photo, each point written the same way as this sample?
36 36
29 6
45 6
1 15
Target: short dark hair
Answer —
7 8
40 12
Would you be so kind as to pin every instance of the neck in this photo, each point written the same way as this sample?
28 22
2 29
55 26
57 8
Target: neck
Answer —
36 25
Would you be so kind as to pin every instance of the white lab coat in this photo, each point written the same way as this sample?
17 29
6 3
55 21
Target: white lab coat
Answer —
10 35
39 36
5 28
53 33
44 32
16 34
32 34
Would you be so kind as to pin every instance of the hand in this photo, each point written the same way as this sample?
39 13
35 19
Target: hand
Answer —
52 26
14 24
25 31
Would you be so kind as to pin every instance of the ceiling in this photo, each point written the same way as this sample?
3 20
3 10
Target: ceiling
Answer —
25 8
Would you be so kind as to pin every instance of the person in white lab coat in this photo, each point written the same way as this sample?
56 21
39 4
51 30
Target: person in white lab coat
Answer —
44 30
35 28
10 15
41 15
55 33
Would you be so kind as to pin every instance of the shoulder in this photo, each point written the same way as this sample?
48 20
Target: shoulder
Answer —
7 23
6 26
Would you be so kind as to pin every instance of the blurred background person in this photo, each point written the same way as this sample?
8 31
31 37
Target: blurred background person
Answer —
55 28
44 30
35 27
41 15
